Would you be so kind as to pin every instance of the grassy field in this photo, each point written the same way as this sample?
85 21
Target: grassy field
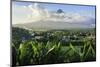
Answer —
54 46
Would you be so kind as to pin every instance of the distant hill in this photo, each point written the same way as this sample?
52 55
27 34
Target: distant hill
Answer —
59 20
60 11
53 25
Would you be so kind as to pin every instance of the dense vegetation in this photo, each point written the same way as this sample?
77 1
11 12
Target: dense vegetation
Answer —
50 47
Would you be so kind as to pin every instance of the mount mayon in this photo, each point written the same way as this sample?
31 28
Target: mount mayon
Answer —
58 20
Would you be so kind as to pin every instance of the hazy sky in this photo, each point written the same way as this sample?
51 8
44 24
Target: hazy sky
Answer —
22 11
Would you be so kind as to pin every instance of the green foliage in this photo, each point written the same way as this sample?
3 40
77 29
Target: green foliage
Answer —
18 34
32 52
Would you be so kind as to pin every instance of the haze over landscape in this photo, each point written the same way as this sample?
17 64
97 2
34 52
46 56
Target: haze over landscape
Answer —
52 16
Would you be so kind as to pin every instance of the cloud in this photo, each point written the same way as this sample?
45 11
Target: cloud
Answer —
19 14
34 12
38 13
31 13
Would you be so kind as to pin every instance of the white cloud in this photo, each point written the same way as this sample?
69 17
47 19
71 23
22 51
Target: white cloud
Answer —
19 14
33 13
30 13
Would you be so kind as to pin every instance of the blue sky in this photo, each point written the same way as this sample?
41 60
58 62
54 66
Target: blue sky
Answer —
26 12
70 8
